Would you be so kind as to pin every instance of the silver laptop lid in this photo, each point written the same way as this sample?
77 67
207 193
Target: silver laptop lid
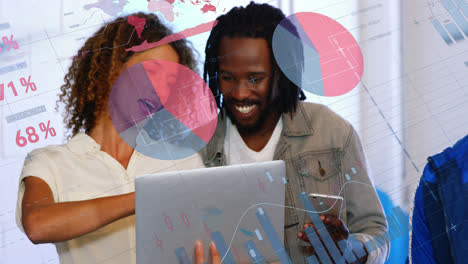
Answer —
240 208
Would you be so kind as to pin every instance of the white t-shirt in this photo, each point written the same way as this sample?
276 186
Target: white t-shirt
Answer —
79 170
239 153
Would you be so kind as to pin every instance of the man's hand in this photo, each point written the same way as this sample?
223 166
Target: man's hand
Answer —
337 230
335 227
200 253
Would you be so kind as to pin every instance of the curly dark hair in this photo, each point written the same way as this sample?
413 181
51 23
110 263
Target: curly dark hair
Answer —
99 62
253 21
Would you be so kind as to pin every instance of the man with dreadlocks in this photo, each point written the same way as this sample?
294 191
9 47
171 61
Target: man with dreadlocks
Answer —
262 118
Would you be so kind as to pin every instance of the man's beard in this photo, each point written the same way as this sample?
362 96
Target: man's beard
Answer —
264 113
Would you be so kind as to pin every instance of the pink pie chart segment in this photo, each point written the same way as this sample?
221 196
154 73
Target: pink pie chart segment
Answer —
163 109
332 59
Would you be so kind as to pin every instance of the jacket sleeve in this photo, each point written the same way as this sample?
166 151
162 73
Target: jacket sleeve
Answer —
365 216
421 247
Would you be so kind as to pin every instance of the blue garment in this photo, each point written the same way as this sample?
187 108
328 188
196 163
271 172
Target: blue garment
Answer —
440 216
399 245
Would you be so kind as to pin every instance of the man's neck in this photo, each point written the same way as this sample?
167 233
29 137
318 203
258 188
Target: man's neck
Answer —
257 140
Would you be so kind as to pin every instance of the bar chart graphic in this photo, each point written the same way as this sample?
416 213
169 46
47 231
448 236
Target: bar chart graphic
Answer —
182 255
322 230
257 238
322 242
222 247
254 254
453 30
273 237
247 229
327 251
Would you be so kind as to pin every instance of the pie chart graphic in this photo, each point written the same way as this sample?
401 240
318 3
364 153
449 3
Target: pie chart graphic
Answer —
163 109
317 54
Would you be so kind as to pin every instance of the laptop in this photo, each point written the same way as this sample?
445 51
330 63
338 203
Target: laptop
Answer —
240 208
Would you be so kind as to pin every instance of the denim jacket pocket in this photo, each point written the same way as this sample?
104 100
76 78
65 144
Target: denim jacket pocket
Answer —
318 165
319 172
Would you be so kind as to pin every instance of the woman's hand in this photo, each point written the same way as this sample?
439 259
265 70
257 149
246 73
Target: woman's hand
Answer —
200 253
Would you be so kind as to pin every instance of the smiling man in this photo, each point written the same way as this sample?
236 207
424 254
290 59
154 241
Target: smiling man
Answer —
262 118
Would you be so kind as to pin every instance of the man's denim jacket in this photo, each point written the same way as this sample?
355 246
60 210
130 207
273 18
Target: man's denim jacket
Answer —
322 152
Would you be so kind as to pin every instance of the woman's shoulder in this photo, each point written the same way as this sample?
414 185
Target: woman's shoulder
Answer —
77 144
51 152
43 162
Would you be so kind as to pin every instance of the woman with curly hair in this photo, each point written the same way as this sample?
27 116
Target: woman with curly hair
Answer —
80 195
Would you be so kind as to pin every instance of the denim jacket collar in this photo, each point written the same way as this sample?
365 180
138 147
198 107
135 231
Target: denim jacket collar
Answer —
296 126
299 125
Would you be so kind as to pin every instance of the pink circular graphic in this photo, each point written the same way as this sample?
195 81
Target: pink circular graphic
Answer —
318 54
163 109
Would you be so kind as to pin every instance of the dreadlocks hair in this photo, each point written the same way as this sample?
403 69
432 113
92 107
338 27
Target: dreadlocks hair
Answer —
99 62
252 21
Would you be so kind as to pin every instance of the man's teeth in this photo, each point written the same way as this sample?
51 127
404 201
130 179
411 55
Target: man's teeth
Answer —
245 109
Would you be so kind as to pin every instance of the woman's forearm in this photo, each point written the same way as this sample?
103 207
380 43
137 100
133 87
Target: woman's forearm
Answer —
64 221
